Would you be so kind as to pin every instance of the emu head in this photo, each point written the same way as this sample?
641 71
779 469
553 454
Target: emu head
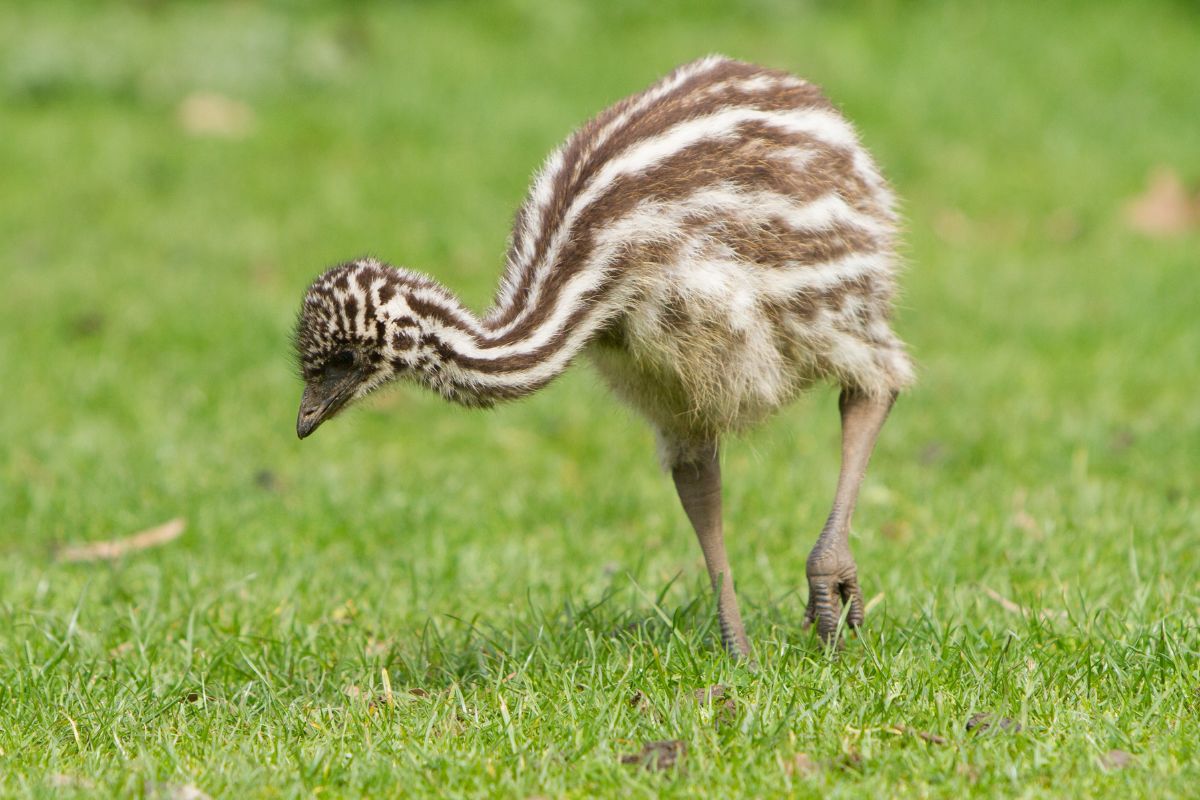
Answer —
346 340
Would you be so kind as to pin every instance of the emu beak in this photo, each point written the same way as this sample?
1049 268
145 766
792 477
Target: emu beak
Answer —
319 402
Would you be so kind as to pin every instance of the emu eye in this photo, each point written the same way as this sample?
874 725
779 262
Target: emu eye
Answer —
341 360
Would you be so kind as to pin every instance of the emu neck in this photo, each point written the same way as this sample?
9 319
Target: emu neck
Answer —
475 362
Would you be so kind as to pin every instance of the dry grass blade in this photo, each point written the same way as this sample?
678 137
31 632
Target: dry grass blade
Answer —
932 738
874 601
1165 208
1016 608
213 114
115 548
387 688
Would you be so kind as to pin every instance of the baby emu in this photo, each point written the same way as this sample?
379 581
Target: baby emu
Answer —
715 244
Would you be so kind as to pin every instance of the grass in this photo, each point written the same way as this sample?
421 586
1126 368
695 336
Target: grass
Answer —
429 602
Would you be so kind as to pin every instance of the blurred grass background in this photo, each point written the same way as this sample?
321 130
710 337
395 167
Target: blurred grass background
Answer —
173 174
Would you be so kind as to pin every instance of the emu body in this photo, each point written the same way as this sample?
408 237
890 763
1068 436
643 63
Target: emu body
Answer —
714 245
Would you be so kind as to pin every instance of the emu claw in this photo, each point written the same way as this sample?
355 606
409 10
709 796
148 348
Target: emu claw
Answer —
828 592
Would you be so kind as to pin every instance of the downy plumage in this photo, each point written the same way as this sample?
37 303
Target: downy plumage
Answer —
714 244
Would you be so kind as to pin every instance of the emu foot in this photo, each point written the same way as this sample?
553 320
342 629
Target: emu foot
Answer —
733 637
737 646
832 584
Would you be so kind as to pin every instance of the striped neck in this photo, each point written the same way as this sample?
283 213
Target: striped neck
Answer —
421 331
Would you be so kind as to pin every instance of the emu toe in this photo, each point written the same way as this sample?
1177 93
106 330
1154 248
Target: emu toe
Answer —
832 587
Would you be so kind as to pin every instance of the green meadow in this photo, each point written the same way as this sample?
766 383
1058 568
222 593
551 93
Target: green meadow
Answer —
425 601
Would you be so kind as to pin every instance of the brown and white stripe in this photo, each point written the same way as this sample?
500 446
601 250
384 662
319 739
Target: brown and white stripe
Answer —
723 186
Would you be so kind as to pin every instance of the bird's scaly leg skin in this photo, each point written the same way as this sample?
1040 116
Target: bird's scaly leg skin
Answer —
832 573
698 483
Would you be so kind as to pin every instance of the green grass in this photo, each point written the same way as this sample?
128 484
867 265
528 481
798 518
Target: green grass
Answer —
528 569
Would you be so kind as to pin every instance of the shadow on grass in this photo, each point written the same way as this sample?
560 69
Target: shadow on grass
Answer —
480 650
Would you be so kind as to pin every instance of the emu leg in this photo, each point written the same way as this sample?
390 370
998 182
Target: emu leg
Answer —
832 573
698 483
